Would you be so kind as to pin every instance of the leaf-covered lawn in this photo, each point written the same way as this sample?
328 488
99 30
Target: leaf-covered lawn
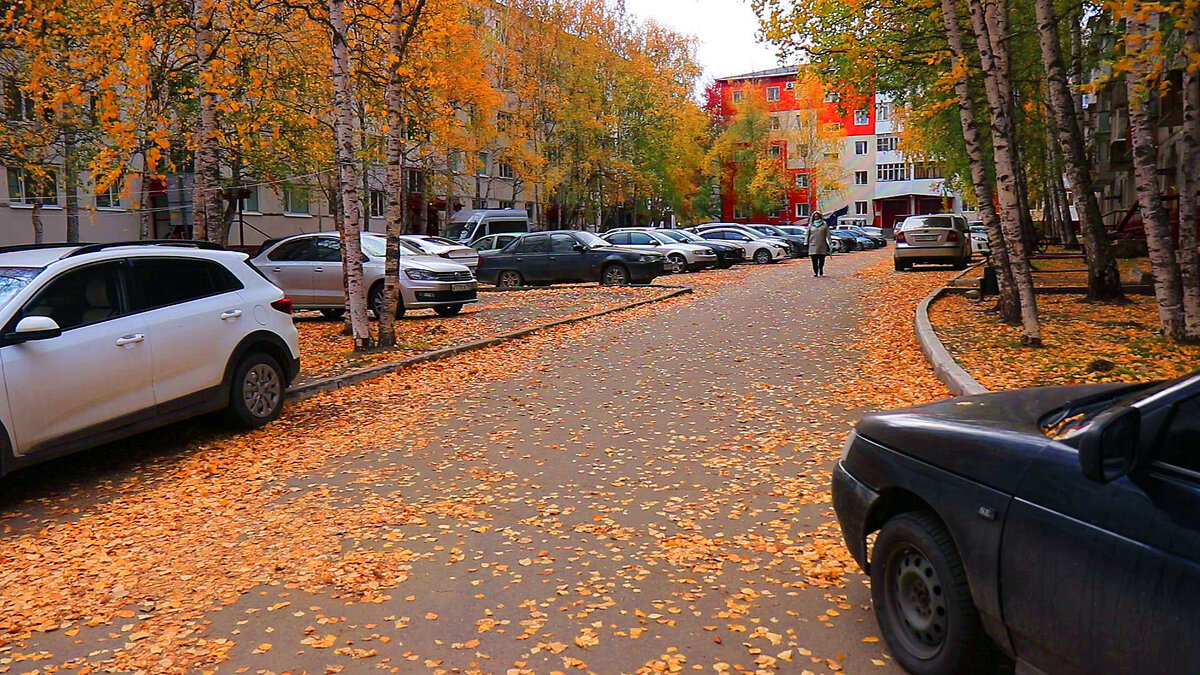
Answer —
1085 343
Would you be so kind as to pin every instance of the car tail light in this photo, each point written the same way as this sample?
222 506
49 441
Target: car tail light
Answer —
282 305
953 236
900 238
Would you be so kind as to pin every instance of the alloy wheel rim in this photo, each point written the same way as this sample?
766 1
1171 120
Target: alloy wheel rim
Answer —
918 602
261 390
679 265
509 280
615 276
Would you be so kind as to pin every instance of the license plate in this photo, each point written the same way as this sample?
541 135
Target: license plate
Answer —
927 238
458 288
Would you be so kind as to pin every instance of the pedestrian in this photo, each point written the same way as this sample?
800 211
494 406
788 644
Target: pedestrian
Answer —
819 243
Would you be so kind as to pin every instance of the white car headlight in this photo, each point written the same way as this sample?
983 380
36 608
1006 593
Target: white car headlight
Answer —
420 275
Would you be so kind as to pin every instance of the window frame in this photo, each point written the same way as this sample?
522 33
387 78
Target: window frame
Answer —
858 145
773 94
113 194
865 210
308 242
124 304
135 289
803 181
866 115
288 192
738 96
803 210
23 179
866 178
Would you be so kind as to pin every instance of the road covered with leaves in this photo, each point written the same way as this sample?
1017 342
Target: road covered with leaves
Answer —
644 492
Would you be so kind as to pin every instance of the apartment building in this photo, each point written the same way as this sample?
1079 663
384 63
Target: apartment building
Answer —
877 184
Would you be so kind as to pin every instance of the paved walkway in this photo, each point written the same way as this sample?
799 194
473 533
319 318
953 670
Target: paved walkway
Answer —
648 494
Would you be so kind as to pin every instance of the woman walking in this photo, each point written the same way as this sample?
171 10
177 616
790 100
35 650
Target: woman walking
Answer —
819 244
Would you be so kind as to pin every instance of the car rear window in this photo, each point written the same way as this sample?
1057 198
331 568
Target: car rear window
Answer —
928 221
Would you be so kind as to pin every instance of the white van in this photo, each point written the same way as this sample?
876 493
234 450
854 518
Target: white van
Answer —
466 226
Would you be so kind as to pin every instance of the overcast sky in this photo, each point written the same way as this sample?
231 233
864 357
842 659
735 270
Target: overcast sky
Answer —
726 29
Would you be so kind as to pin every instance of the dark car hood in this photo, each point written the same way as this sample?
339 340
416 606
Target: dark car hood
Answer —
989 438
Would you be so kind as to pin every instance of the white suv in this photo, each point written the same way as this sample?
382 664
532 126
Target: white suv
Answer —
102 341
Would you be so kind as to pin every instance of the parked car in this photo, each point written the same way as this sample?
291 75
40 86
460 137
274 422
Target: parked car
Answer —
493 242
1059 527
566 256
683 257
877 241
728 253
468 225
103 341
789 247
308 267
933 239
757 246
444 248
798 244
979 237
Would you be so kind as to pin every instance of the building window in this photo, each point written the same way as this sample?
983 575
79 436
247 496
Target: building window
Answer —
802 180
478 204
862 117
926 171
249 202
772 94
833 127
832 97
18 105
295 201
860 177
802 210
416 181
887 143
891 172
378 204
738 96
775 151
507 204
860 208
506 170
25 188
503 121
860 147
110 197
484 159
883 111
738 213
776 125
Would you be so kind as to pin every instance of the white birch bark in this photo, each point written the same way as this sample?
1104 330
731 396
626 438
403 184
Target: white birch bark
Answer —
1189 193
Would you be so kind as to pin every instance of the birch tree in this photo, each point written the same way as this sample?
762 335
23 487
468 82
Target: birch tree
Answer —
1104 281
1189 189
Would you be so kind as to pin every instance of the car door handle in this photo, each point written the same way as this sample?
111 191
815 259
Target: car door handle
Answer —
318 269
130 339
231 314
276 269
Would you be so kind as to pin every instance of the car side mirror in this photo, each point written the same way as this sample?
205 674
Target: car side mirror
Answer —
653 243
1108 449
580 247
33 328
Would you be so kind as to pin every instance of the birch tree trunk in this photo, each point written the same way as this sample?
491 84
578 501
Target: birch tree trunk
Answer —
71 180
145 206
35 216
356 294
1168 287
993 50
1104 280
207 208
1189 190
1009 304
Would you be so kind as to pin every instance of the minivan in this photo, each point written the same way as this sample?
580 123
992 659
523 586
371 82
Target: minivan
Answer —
468 225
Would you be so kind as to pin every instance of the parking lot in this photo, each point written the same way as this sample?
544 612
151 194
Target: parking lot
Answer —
643 489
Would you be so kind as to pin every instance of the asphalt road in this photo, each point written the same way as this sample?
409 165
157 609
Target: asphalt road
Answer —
643 494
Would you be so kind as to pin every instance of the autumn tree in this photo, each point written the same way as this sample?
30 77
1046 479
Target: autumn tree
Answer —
750 158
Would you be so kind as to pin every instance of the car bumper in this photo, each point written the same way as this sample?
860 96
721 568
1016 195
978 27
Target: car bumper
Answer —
644 273
852 501
700 262
436 293
928 253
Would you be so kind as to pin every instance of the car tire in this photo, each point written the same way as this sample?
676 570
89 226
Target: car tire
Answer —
902 266
922 600
614 274
509 279
377 302
448 310
678 262
762 256
333 314
257 392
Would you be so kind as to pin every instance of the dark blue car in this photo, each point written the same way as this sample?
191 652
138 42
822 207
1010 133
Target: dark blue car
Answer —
1056 527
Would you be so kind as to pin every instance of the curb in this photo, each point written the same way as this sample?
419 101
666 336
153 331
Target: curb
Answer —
355 377
958 380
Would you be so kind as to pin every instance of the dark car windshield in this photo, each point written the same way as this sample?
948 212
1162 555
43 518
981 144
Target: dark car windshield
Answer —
13 279
681 236
770 229
1075 415
459 231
